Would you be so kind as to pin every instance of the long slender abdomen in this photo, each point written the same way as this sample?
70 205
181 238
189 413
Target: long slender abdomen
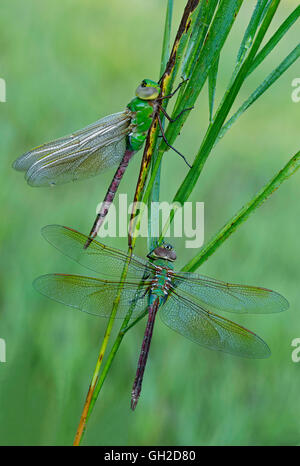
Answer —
109 197
137 385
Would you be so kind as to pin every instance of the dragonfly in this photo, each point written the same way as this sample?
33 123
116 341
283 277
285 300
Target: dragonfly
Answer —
109 141
186 302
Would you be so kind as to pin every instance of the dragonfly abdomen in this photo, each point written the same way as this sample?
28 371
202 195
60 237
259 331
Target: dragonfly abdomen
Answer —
137 385
160 288
109 197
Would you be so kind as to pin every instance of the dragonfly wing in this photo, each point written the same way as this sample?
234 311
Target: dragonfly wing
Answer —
79 155
92 295
105 260
216 295
210 330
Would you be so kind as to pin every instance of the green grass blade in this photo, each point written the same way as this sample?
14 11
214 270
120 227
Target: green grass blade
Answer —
218 33
191 179
250 32
166 83
284 65
241 216
166 40
214 129
212 81
94 385
118 340
277 36
196 41
247 41
179 46
156 186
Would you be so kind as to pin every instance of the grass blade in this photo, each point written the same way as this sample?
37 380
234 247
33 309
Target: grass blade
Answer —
166 40
249 35
166 82
284 65
152 220
212 81
218 33
201 25
277 36
214 129
290 168
190 180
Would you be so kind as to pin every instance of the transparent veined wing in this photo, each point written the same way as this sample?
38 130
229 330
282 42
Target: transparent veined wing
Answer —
216 295
92 295
79 155
105 260
210 330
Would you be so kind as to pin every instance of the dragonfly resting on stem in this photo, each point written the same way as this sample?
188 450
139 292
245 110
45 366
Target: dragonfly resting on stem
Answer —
186 301
107 142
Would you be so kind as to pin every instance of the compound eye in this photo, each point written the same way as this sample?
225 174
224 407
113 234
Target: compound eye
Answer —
146 92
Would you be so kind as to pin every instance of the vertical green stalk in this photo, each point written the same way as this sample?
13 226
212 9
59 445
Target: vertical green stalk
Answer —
153 220
93 389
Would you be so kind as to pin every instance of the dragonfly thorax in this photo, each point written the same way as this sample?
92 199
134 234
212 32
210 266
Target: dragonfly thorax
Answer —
162 257
142 108
162 281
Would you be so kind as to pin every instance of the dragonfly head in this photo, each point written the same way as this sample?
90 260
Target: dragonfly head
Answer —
165 251
148 90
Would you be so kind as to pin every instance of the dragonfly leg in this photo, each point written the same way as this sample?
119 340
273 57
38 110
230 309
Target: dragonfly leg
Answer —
169 145
134 301
174 92
172 120
134 322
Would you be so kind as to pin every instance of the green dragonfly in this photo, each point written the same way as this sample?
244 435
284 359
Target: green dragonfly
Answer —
110 141
187 301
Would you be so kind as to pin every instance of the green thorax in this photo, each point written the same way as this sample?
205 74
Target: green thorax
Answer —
142 108
141 122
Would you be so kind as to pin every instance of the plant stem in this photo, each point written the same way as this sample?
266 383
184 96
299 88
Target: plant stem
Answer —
93 385
166 83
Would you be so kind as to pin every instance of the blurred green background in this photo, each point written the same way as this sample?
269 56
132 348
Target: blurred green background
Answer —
66 64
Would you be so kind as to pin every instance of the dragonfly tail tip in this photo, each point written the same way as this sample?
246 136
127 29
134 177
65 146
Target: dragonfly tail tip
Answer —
133 403
87 243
